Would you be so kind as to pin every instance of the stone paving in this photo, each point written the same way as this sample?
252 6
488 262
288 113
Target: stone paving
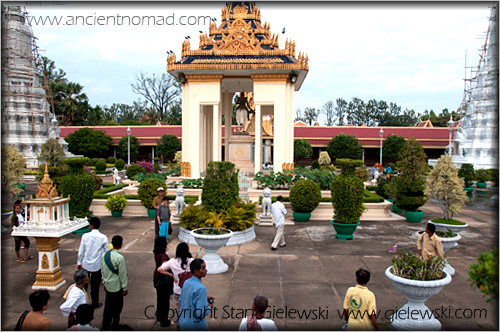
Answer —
311 274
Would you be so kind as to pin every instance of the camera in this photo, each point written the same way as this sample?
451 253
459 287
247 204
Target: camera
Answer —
211 301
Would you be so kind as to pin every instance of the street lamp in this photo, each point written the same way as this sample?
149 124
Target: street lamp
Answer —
381 133
128 133
451 124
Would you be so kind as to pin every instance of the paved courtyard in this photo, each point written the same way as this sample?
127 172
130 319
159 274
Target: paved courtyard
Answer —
310 275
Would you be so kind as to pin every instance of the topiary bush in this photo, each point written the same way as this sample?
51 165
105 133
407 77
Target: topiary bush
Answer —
347 193
79 186
98 181
493 172
116 203
468 173
147 191
100 166
102 159
324 159
134 169
119 164
220 186
305 196
315 165
482 175
112 160
93 161
362 173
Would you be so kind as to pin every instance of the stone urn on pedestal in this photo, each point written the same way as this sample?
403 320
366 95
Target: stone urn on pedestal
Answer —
212 239
48 221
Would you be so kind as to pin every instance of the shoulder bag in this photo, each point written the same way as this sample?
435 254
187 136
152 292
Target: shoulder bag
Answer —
21 320
183 276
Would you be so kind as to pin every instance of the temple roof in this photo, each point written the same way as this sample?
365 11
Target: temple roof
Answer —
240 42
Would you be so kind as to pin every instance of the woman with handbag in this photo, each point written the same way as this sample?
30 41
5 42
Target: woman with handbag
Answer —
179 267
162 283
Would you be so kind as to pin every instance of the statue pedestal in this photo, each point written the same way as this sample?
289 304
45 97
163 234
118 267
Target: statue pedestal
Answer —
175 218
265 220
48 275
240 152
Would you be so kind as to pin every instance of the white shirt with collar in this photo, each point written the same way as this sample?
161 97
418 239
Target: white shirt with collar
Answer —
279 211
76 296
92 246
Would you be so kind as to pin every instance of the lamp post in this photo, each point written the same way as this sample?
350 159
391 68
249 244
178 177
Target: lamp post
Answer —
451 124
381 133
128 133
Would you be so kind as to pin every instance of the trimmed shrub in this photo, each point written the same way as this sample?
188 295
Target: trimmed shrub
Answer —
100 166
98 181
102 159
134 169
315 165
93 161
119 164
347 193
302 149
493 172
305 196
324 158
111 160
362 173
482 175
147 191
116 203
79 186
468 173
220 186
344 146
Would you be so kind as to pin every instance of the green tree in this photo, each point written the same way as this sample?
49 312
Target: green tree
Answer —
220 186
345 147
67 100
122 147
341 111
88 142
80 186
324 159
174 117
392 146
301 149
329 110
168 146
13 168
444 186
311 115
51 152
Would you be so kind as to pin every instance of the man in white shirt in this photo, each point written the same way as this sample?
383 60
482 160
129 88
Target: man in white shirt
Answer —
92 246
75 296
279 211
256 321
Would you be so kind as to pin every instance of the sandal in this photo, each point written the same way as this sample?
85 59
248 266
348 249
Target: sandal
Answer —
28 258
21 261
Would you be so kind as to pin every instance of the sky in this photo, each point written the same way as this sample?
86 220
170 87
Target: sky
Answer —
412 54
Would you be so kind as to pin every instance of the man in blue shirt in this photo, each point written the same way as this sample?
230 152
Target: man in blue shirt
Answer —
195 304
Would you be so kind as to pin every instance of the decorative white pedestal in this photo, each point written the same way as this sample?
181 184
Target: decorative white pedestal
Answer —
265 220
212 243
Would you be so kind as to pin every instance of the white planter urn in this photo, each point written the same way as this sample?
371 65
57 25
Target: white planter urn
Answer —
448 243
212 243
454 228
415 315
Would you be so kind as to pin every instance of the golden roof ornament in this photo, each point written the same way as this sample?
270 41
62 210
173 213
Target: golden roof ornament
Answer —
46 189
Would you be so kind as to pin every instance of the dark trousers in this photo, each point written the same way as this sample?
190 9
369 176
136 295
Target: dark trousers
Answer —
113 306
162 303
95 279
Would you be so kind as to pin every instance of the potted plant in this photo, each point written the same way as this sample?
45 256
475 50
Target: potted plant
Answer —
212 239
347 199
481 177
147 191
445 186
418 279
484 275
116 204
442 224
410 184
449 240
305 196
468 173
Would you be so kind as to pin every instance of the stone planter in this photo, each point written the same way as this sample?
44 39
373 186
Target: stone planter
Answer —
344 231
414 216
240 237
301 216
448 243
415 315
454 228
212 243
152 213
481 185
117 214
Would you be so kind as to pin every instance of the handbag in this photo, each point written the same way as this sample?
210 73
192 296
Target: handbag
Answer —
169 228
184 276
161 280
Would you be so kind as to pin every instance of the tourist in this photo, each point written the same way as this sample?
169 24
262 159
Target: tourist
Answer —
84 315
195 304
256 321
264 166
359 305
163 219
75 295
164 287
156 204
17 220
114 277
374 169
428 243
92 246
178 265
35 320
279 211
388 170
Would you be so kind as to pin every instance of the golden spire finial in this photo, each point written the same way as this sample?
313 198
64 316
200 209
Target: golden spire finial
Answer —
46 189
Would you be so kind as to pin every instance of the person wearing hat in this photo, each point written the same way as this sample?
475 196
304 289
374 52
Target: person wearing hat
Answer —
156 204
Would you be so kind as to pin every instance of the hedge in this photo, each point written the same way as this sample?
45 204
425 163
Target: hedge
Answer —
171 198
368 198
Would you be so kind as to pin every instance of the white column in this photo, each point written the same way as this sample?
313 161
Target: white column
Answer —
258 139
228 115
216 140
152 154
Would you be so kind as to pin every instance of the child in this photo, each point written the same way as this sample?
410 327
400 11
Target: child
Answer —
84 315
359 305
